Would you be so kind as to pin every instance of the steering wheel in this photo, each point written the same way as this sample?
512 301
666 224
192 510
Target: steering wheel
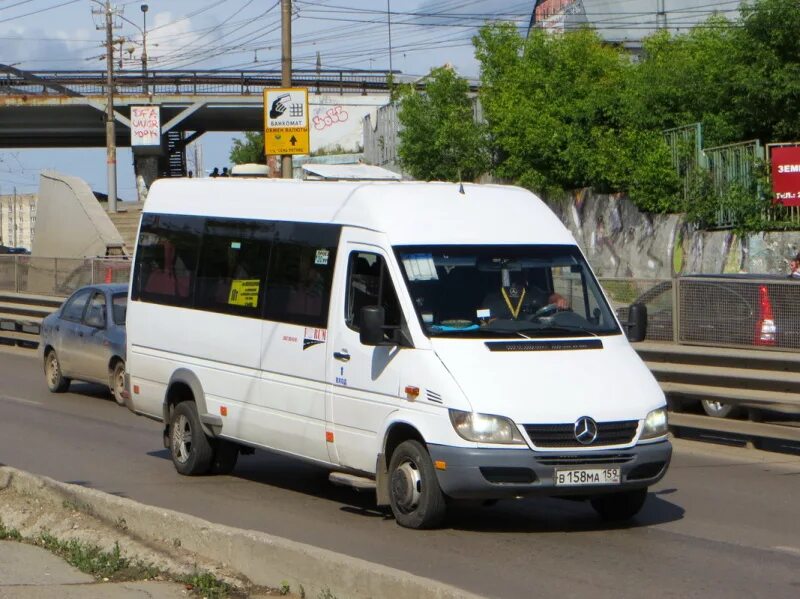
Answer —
547 310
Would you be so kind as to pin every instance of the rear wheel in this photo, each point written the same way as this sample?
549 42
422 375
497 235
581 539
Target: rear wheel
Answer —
189 447
56 381
118 382
717 409
415 497
616 507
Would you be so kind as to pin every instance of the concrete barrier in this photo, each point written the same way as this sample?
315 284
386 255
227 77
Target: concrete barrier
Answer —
264 559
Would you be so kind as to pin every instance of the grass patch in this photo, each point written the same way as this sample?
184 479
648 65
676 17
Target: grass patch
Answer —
93 560
207 585
9 534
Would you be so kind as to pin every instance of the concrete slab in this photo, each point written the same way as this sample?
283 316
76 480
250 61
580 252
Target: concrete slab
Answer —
120 590
22 564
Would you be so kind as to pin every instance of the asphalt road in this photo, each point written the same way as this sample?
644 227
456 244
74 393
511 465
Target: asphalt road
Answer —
724 522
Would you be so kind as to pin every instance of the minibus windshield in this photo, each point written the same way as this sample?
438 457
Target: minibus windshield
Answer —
529 291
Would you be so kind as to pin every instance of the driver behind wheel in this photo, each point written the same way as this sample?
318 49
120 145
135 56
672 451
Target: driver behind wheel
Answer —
516 298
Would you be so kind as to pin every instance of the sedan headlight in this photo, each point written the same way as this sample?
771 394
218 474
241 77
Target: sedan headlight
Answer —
485 428
655 425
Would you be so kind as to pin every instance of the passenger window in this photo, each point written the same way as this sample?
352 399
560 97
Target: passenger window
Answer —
166 259
73 310
96 311
369 284
300 274
119 307
233 266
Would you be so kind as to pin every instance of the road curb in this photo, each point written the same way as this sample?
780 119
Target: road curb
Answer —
266 560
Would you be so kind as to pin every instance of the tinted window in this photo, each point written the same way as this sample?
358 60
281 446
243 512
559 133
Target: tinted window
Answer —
166 259
119 307
369 284
300 273
73 309
233 264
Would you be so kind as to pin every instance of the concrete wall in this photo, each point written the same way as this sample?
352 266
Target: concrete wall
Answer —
621 241
70 222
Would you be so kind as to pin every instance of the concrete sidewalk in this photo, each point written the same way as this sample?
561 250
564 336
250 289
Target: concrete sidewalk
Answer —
29 572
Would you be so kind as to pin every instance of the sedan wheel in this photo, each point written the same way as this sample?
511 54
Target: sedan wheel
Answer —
118 383
56 381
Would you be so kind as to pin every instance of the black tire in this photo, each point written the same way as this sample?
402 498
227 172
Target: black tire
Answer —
615 507
56 381
189 447
415 497
117 382
226 453
717 409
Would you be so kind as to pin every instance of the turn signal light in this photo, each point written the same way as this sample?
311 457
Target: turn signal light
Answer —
412 392
223 410
329 436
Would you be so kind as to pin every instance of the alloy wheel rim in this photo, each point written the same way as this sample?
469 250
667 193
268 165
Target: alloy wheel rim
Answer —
52 370
182 439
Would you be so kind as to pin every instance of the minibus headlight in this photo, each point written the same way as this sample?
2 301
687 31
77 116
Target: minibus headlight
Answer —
655 425
485 428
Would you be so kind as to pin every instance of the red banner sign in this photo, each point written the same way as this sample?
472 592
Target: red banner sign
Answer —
785 164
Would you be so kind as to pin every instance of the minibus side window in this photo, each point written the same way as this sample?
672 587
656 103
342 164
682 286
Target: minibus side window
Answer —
233 266
166 259
369 284
300 273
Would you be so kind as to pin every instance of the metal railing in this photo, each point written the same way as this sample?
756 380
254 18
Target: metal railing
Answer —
58 276
179 82
742 311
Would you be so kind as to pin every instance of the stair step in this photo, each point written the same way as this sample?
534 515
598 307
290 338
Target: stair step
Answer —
359 483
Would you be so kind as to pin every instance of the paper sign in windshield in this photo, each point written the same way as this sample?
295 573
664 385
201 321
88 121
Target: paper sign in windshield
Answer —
244 292
420 267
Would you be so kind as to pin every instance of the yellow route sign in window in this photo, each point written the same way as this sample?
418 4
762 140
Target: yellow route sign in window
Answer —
244 292
286 121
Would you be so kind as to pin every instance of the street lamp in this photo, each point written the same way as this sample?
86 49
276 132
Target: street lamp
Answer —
144 48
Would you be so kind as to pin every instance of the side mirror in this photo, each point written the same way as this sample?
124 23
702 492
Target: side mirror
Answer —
636 327
373 319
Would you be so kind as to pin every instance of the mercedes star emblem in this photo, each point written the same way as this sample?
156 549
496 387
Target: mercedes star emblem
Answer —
585 430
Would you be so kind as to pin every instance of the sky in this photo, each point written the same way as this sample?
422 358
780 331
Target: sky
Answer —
42 35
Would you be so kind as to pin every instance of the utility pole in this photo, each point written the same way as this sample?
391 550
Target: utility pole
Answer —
286 69
144 48
661 15
389 18
111 136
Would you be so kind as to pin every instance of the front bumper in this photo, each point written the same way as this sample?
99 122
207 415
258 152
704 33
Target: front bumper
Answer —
508 473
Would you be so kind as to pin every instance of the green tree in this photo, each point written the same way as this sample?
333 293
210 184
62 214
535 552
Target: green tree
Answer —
439 137
251 150
556 115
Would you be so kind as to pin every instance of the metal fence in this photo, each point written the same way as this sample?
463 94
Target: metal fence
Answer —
760 312
58 276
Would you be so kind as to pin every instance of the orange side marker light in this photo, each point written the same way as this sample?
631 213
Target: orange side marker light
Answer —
223 410
329 436
440 465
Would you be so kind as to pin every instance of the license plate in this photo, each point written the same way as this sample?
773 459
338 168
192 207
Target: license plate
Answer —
587 476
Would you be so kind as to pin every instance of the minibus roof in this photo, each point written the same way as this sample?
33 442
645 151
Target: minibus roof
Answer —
410 213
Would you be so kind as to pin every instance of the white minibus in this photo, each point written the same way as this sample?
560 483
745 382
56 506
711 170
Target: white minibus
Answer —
434 342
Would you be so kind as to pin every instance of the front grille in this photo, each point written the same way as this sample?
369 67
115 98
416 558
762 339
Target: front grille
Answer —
563 435
584 459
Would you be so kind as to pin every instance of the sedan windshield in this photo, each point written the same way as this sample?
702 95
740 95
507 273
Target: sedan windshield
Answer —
501 291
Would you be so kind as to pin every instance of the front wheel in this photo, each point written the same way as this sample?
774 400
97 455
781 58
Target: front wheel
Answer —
118 383
56 381
189 447
620 506
415 497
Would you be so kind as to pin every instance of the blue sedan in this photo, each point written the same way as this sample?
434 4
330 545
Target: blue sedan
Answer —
85 340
